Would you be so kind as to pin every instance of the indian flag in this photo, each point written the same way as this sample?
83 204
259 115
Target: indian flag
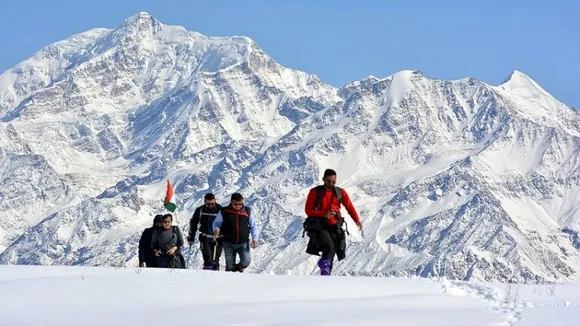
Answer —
167 202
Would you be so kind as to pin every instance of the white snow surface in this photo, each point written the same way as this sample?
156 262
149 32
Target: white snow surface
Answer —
451 178
137 296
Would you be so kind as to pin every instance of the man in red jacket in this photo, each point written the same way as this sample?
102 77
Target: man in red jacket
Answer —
324 221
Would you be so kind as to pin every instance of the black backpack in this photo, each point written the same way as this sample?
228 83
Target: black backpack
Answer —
320 190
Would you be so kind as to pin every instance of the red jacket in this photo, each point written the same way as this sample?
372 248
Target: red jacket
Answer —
326 205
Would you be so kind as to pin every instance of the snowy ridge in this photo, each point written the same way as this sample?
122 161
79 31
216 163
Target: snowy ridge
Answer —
452 178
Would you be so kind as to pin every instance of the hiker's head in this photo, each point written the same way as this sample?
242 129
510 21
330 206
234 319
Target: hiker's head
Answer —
329 178
158 220
167 219
209 200
237 201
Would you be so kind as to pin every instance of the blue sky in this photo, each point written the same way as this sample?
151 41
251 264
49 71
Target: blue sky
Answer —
341 41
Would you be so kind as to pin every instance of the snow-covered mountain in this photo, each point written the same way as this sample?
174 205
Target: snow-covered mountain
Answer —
456 178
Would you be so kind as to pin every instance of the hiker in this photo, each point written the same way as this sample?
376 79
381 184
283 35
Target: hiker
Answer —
235 223
146 255
166 243
324 221
211 248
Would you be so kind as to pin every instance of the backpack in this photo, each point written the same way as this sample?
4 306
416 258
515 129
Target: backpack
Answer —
320 192
177 261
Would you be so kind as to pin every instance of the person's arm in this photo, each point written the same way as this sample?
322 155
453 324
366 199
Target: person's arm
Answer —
253 231
309 207
142 247
253 228
193 223
179 236
350 208
154 240
217 224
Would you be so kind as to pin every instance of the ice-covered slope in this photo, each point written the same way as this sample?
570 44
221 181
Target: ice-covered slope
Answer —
455 178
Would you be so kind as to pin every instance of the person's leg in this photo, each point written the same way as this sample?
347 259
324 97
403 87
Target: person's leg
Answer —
218 253
245 257
206 252
230 256
151 262
162 261
328 251
327 244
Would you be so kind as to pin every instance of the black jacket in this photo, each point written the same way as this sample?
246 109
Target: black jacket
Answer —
146 254
203 217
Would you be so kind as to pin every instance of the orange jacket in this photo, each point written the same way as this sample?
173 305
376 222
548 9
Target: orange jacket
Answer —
326 205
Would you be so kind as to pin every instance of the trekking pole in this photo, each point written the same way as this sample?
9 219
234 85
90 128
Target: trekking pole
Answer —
214 252
215 262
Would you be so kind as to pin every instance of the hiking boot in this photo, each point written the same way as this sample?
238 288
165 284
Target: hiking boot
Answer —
325 266
239 268
208 267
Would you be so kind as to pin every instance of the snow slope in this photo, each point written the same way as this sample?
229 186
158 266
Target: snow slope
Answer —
108 296
452 178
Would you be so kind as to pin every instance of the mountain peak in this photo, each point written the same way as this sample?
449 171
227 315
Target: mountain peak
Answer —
140 22
139 19
401 85
518 80
406 74
516 75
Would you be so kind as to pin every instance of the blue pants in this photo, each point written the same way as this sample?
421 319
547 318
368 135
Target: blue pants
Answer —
163 261
230 251
166 261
